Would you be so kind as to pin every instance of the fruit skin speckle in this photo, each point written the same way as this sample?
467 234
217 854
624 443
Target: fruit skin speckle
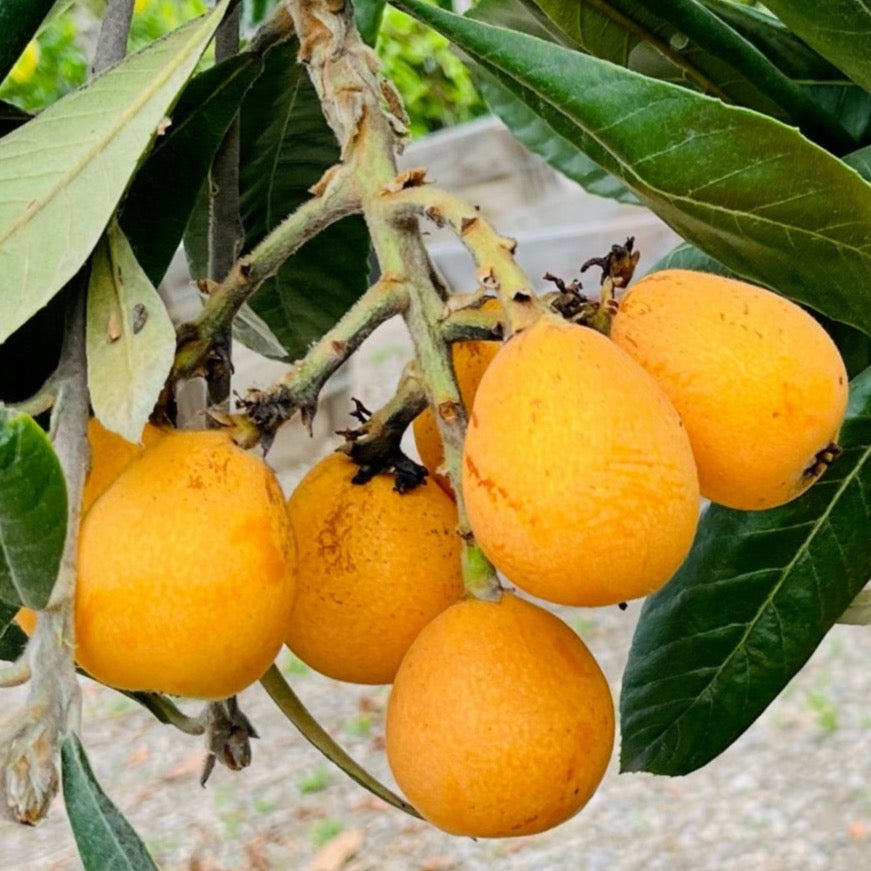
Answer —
758 383
578 477
375 566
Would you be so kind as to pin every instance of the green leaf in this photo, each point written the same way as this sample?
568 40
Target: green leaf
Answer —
368 14
254 333
106 841
19 22
848 104
839 30
130 338
749 191
860 161
755 597
163 193
12 642
289 704
286 146
62 174
524 123
33 512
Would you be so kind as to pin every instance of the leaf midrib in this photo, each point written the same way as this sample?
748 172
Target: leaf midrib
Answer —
740 646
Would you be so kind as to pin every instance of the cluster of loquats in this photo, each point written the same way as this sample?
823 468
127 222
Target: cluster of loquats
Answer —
584 462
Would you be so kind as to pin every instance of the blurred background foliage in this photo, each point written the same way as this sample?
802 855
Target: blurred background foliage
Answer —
435 85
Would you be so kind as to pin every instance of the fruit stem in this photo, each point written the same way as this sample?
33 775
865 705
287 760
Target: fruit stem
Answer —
290 705
493 254
365 112
300 387
333 199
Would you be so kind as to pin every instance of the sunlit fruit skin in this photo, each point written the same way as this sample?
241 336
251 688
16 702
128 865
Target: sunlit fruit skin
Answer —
470 361
760 386
500 721
578 477
375 566
186 571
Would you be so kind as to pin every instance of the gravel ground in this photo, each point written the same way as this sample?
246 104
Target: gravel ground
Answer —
793 794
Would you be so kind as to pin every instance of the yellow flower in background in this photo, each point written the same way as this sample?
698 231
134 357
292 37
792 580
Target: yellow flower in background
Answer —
26 65
141 5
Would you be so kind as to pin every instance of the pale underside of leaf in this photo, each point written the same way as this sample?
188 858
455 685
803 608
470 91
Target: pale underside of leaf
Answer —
62 174
130 338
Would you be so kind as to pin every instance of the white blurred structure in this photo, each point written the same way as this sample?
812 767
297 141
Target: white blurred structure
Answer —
557 226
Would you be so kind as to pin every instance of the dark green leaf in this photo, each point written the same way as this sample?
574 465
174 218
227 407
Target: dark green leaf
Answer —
286 146
12 639
162 196
38 341
686 256
19 22
33 512
755 597
521 15
289 704
750 192
824 83
839 30
106 841
685 43
861 161
525 124
11 117
12 642
367 14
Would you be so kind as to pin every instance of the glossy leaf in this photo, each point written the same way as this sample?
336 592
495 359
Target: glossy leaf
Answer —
62 174
290 705
749 191
105 840
368 14
860 161
164 191
747 609
286 146
19 22
130 338
12 642
839 30
524 123
33 512
848 104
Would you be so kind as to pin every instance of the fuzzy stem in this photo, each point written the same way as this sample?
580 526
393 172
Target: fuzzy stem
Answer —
365 113
29 744
299 389
196 338
493 254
